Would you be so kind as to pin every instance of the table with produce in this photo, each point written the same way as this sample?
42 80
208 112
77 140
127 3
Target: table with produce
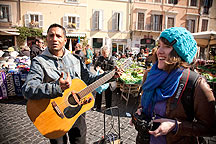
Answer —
209 72
130 80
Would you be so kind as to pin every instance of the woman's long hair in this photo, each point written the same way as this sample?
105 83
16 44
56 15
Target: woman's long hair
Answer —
174 61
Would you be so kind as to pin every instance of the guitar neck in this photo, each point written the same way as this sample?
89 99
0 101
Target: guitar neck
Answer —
96 84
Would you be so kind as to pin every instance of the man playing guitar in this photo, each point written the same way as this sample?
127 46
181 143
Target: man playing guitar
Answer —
50 79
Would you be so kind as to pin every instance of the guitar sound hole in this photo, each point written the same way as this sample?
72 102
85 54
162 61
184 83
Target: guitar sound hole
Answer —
70 112
71 100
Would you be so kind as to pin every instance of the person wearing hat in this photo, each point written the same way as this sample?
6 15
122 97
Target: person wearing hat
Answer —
181 113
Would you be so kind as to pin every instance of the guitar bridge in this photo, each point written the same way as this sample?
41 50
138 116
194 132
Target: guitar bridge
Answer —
57 110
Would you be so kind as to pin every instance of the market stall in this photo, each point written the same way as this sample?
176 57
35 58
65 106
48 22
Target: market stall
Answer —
130 80
205 40
13 74
207 68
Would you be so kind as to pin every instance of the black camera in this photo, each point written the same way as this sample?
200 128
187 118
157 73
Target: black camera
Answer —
144 123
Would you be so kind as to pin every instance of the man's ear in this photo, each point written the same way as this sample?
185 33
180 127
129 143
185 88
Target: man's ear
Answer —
65 40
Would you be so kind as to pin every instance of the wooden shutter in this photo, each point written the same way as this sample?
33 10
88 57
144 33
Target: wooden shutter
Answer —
27 20
65 21
40 21
120 21
77 22
94 20
100 19
9 14
114 21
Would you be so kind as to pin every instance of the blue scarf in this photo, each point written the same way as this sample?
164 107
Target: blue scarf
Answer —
158 86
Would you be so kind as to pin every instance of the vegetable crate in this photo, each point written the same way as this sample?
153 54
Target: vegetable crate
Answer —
129 89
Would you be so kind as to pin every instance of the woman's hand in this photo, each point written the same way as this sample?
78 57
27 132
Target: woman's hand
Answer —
65 84
165 127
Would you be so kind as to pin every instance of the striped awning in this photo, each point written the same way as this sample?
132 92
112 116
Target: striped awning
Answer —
10 32
74 34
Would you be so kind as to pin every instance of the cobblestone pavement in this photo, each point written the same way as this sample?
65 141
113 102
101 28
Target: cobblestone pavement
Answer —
16 127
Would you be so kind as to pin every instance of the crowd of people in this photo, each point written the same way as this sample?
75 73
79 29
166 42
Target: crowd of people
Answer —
173 97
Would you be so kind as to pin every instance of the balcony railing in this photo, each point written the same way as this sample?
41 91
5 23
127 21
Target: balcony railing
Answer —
149 27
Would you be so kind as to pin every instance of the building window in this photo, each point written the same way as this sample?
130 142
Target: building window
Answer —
170 22
97 21
206 5
141 18
157 22
157 1
71 22
204 25
191 25
34 20
193 2
142 0
117 21
172 1
97 42
4 13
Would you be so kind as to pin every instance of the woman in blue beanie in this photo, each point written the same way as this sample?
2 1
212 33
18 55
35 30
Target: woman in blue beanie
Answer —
175 98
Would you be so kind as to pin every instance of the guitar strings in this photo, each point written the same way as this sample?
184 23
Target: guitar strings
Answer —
102 80
87 90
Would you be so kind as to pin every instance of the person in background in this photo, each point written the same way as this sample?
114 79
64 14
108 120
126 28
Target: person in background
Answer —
25 51
79 51
127 51
183 113
36 48
89 56
50 75
105 63
152 58
123 56
141 56
119 56
116 55
96 56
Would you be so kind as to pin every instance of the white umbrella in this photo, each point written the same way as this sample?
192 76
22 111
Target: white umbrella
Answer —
205 39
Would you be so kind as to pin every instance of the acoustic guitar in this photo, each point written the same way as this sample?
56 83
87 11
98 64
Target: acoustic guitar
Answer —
55 117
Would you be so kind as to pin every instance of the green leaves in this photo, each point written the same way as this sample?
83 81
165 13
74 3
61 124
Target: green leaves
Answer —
26 32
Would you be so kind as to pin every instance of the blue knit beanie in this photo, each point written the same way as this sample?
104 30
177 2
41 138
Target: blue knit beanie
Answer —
182 41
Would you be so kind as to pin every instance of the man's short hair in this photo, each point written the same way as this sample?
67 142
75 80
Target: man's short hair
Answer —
37 40
57 25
